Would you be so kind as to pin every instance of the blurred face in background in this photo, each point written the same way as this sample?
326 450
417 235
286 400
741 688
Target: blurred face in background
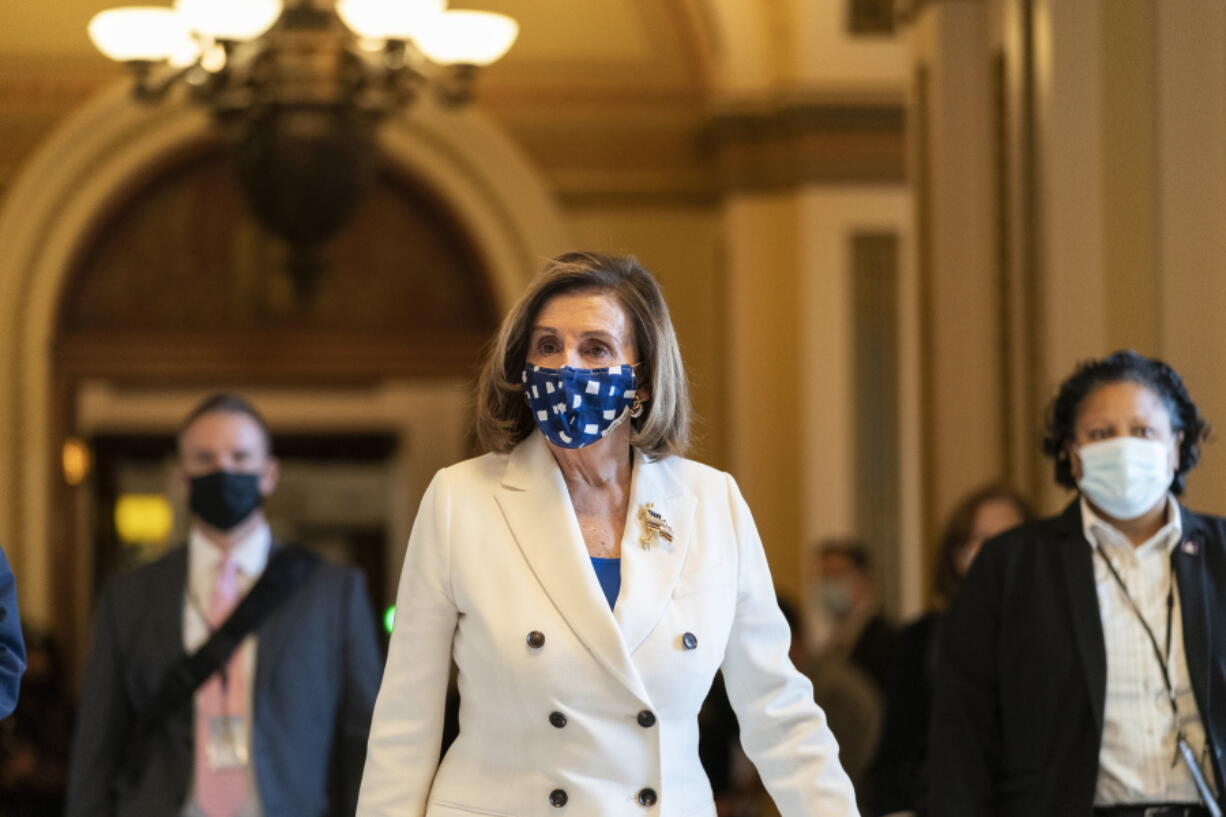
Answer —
227 441
841 585
992 518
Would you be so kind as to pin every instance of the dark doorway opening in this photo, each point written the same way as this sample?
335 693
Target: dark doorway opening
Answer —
334 498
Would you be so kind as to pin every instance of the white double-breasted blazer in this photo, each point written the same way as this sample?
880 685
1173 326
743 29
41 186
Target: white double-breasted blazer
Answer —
568 708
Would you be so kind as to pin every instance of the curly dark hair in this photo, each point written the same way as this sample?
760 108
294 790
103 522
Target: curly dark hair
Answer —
1119 367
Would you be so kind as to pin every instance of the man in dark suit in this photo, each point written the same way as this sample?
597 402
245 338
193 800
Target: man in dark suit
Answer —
1082 650
12 646
280 729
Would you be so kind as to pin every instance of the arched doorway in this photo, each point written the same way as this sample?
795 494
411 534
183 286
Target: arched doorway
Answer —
179 289
60 348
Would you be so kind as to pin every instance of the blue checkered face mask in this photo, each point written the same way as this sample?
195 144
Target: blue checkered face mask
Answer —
578 407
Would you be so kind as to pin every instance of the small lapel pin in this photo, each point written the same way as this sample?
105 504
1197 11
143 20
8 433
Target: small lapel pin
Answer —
1190 547
654 526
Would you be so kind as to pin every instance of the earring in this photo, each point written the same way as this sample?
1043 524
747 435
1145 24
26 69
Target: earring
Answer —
636 408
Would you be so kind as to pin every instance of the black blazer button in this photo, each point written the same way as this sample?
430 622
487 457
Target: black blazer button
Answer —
647 797
557 719
689 641
536 639
646 719
557 798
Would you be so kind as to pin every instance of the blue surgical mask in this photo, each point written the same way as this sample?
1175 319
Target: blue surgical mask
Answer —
1125 476
834 597
577 407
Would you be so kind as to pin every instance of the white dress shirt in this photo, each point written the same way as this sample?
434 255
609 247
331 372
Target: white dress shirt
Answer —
1137 761
204 561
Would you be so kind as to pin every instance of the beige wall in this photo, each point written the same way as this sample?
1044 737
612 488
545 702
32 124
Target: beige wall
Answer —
682 245
1190 200
1113 178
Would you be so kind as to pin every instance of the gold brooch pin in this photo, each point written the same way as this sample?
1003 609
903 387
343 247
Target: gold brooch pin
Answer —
654 526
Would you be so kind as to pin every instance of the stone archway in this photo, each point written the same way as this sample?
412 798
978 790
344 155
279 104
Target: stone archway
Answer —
92 161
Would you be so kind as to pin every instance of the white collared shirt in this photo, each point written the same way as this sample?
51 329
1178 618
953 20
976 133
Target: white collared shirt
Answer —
1139 730
204 560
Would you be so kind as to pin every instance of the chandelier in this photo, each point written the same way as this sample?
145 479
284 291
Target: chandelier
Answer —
298 89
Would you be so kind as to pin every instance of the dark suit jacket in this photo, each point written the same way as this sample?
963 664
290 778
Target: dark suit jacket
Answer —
12 645
1022 669
898 778
317 672
874 650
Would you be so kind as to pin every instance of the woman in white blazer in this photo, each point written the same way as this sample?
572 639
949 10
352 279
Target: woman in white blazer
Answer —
588 582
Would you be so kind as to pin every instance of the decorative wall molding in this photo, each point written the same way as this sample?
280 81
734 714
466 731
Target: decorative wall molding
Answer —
906 11
787 143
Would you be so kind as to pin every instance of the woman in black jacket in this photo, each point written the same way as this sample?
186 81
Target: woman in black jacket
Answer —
898 781
1082 667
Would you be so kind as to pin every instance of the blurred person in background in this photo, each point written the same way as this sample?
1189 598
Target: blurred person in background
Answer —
849 697
853 712
233 677
34 742
845 594
1081 669
12 646
898 779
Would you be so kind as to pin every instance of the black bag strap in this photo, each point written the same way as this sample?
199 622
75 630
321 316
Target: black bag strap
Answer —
287 568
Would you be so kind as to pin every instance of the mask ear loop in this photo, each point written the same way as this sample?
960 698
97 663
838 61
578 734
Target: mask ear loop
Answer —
637 407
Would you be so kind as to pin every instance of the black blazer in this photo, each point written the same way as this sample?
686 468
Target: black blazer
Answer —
317 672
1022 669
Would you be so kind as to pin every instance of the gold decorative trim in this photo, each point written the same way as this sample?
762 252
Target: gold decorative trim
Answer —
793 143
906 11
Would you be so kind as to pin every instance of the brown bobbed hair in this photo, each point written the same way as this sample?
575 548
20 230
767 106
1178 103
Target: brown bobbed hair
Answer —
502 417
960 526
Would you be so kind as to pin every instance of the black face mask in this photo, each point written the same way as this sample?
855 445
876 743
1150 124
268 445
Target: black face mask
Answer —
225 499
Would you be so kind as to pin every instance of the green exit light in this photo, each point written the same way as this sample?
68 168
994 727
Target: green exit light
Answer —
389 618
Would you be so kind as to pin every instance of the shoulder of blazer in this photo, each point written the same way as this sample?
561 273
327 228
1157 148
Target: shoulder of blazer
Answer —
485 469
1206 527
693 476
168 569
332 577
1034 536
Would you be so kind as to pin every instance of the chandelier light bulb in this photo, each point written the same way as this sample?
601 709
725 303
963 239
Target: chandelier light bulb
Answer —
229 20
186 52
299 88
389 19
139 33
468 37
213 58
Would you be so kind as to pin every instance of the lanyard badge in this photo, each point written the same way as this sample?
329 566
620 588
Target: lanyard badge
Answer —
1182 749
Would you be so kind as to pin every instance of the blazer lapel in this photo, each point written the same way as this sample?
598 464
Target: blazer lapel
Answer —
537 507
1077 568
167 596
650 573
1188 564
273 634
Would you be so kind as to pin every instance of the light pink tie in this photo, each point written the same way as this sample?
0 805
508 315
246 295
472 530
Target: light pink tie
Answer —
220 792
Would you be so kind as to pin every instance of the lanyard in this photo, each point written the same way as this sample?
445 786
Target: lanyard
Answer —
1162 655
223 672
1182 749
